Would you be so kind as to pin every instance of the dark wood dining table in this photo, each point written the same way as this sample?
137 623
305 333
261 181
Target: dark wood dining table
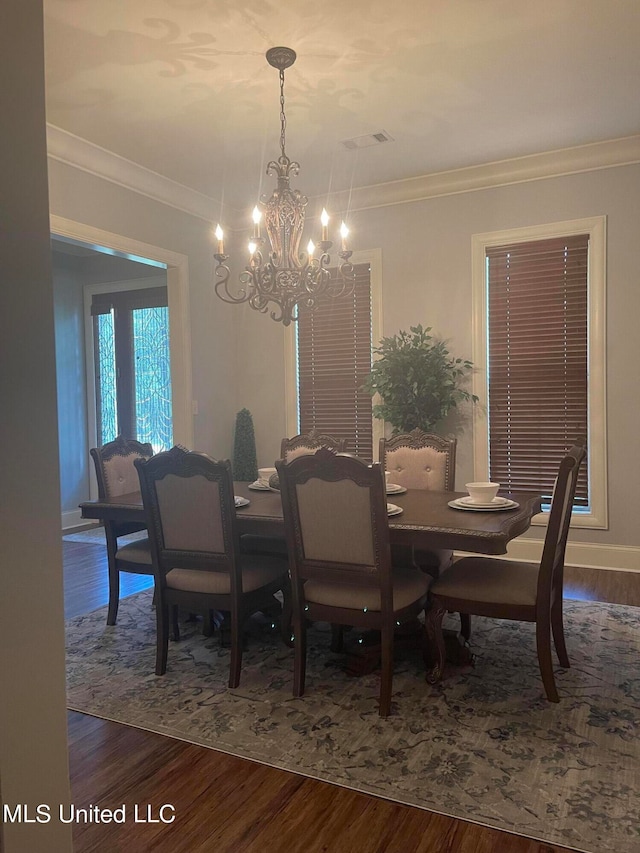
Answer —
426 521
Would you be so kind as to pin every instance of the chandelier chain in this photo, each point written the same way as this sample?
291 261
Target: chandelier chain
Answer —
283 118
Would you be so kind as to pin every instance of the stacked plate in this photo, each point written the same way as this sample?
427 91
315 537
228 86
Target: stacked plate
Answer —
497 503
392 509
395 489
259 486
240 501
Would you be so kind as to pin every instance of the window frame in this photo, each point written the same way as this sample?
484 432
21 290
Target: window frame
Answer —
597 515
125 302
292 416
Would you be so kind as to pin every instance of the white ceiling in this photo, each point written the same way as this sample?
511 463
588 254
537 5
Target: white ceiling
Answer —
182 87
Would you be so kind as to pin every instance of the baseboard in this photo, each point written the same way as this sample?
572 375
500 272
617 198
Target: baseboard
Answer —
73 520
588 555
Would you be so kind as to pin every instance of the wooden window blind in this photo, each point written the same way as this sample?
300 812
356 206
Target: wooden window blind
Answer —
334 357
537 305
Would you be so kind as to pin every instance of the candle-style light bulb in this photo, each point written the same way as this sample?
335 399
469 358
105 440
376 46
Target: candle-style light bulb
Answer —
257 216
344 233
219 237
324 219
252 248
311 249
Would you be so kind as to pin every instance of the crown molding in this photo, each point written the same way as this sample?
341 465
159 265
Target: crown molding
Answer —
81 154
533 167
84 155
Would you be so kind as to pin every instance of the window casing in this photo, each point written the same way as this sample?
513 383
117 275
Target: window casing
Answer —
539 341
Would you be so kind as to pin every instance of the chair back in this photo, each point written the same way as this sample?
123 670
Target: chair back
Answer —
420 460
306 443
114 464
189 504
336 523
552 563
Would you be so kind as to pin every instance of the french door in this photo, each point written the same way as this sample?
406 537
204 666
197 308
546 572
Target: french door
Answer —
132 366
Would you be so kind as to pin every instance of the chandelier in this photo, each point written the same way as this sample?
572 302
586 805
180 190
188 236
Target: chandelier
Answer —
288 278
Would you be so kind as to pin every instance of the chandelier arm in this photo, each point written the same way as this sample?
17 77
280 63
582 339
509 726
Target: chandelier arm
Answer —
222 272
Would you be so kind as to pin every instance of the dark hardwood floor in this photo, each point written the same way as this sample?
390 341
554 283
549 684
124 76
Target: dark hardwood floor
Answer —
230 805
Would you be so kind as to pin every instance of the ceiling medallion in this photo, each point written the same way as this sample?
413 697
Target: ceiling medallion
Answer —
288 278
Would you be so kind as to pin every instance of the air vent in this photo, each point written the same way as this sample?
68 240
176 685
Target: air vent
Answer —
367 140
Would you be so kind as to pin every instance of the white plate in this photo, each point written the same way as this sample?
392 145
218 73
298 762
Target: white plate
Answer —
459 504
240 501
395 489
258 487
392 509
497 501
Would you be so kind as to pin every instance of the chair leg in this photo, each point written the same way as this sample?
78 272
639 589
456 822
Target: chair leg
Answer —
386 679
162 637
543 643
433 624
558 633
175 625
465 626
286 628
237 624
300 653
114 593
337 638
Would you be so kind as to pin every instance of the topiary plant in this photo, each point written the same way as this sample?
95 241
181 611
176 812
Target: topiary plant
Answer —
418 381
245 461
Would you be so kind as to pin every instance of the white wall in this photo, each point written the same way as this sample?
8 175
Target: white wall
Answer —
71 385
33 743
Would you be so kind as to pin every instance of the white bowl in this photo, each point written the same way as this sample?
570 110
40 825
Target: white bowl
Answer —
482 493
264 474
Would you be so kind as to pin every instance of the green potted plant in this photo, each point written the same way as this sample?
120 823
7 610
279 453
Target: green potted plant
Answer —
245 464
418 380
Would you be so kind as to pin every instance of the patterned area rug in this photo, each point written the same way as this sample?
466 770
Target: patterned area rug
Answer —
484 746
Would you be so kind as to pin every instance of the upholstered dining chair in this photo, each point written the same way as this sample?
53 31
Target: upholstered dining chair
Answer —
506 589
309 442
337 529
290 449
116 475
191 517
422 460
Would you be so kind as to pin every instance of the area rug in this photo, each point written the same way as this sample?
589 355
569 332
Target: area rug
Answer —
484 746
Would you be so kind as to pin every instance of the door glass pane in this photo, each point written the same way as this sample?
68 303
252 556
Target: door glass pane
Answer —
152 377
106 379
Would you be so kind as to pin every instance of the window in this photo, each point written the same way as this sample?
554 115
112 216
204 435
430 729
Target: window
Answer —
329 356
132 366
540 341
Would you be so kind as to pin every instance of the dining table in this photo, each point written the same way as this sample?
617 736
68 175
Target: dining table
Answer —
426 521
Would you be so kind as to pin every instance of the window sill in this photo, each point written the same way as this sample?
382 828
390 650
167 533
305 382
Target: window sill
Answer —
587 520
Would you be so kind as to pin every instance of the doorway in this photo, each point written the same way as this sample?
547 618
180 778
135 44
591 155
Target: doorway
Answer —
163 398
